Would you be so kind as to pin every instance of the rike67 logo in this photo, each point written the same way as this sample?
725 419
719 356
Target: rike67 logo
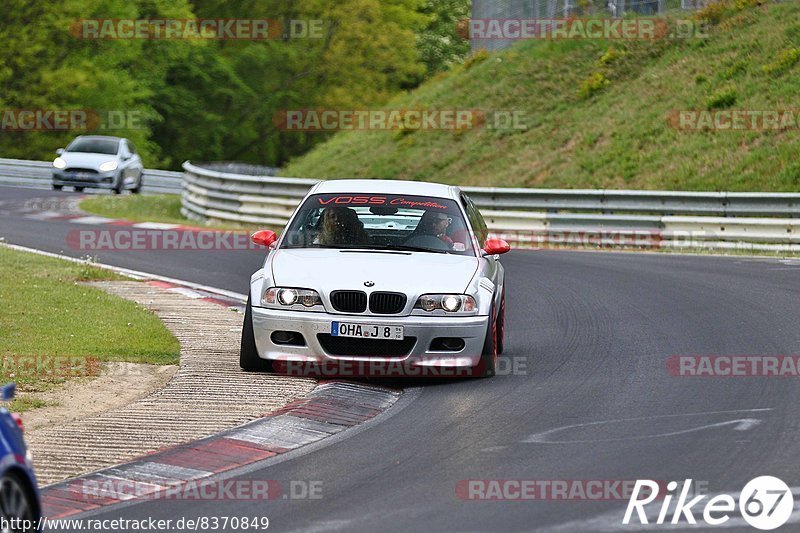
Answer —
765 503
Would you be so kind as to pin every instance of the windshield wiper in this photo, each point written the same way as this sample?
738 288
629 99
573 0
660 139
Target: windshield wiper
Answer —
409 248
367 247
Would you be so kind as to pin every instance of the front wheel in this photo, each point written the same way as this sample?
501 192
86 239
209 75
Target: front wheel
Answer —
118 186
57 187
501 324
248 353
78 189
488 364
17 504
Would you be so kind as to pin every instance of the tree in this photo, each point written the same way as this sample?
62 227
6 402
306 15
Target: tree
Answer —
439 44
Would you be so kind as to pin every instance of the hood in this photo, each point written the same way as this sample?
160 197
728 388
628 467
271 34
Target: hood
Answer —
86 160
411 273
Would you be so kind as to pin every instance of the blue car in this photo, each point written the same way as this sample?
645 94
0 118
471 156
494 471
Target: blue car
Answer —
20 506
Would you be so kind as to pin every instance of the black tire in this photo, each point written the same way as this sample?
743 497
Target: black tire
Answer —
138 188
488 364
17 501
118 186
57 187
78 189
248 353
501 324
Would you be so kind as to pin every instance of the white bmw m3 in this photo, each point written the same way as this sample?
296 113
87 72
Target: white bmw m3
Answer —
374 271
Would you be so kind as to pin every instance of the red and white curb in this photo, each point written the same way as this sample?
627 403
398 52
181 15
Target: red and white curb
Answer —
329 409
94 220
199 294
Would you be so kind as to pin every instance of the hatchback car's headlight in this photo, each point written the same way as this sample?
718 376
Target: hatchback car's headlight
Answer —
59 163
450 303
108 166
291 298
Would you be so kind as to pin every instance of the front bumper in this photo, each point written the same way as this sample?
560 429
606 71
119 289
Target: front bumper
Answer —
100 180
472 329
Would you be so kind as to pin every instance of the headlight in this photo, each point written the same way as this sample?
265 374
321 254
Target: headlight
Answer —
287 297
59 163
451 303
108 166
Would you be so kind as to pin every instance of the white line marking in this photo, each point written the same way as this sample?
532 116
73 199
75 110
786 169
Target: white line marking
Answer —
92 220
45 215
742 424
155 225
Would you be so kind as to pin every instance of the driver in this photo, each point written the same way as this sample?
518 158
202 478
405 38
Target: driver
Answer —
436 224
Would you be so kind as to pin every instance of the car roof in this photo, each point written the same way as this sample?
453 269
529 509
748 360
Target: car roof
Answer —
375 186
102 137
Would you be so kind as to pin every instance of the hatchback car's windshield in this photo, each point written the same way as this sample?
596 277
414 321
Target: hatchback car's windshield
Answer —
94 146
384 221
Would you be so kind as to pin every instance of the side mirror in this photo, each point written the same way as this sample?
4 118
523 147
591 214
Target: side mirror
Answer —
59 151
8 392
264 237
496 247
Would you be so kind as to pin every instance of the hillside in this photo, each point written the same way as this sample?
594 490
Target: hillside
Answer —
597 114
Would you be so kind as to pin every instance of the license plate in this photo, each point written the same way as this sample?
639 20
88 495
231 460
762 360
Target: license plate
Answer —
366 331
82 175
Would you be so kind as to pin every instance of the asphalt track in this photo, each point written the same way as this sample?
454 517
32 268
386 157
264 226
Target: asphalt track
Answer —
590 334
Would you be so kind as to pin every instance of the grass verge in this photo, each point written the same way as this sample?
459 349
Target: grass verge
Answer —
53 327
165 208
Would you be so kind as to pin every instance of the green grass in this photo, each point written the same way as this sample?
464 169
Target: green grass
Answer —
597 114
165 208
53 327
138 208
26 403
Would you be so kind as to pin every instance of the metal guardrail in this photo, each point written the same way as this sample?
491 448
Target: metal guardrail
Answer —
659 202
526 217
37 174
531 217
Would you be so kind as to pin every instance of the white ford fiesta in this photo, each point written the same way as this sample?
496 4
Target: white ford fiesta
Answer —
378 272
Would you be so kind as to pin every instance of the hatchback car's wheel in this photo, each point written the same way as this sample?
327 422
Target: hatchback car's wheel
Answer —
78 189
118 186
57 187
488 363
248 354
138 188
16 502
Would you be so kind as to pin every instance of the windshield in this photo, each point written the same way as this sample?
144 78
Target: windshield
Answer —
94 146
380 222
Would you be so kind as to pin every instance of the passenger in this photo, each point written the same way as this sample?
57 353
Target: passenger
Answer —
340 226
